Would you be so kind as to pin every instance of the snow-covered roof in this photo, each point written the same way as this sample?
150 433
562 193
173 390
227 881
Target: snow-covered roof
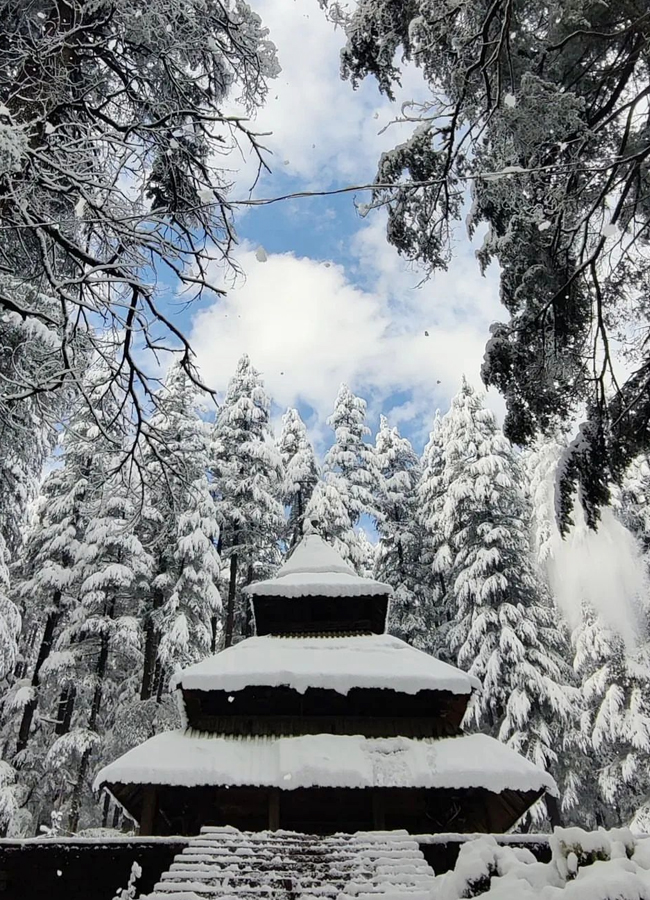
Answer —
192 759
337 663
315 569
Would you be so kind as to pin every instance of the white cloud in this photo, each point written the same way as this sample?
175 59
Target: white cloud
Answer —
321 130
307 327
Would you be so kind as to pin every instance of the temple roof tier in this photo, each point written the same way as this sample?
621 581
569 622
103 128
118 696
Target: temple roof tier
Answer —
315 569
337 663
189 759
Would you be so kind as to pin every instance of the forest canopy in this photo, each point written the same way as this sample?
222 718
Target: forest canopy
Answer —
538 118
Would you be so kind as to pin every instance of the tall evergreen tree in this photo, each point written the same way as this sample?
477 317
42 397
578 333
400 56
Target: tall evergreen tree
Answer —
327 515
503 627
102 642
574 768
615 684
350 457
435 563
180 532
634 511
47 573
300 472
247 482
9 618
400 540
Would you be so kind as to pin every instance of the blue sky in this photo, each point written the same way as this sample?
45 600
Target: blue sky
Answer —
333 302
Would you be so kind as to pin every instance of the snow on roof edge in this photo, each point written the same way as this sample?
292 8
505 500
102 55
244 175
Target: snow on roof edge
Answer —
337 663
191 759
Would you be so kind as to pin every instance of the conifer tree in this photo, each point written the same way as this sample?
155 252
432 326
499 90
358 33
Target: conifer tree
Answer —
45 579
541 467
615 686
434 568
9 618
502 629
574 767
247 482
634 510
400 539
103 640
327 515
350 457
300 472
180 532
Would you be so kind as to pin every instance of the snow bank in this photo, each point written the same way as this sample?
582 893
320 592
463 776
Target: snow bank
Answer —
338 663
585 866
190 758
315 569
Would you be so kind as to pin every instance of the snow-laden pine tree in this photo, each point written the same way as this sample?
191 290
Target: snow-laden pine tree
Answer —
327 515
180 532
28 347
300 472
434 563
350 457
247 484
398 560
573 770
503 626
615 684
102 642
634 511
45 581
541 467
9 618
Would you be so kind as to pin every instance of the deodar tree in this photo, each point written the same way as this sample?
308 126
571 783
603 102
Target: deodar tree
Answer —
113 149
541 110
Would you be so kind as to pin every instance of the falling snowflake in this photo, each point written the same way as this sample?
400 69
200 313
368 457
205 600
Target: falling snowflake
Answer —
80 207
510 100
261 254
545 225
206 195
608 230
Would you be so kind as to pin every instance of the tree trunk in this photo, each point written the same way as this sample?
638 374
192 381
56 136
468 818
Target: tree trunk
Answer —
100 672
232 590
151 641
65 710
248 619
47 642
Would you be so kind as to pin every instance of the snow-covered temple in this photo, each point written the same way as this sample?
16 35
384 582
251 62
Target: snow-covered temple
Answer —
323 723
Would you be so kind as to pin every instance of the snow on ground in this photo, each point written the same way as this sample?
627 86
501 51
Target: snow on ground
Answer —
338 663
315 569
585 866
191 758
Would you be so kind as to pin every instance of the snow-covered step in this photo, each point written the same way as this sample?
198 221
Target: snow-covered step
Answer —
225 864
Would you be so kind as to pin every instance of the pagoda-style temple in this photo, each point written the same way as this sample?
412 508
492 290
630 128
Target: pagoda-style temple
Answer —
323 723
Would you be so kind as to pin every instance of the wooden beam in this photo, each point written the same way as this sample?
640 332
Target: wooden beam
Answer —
274 809
378 811
149 809
553 810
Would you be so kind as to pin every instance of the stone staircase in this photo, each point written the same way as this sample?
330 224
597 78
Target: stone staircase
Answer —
284 865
